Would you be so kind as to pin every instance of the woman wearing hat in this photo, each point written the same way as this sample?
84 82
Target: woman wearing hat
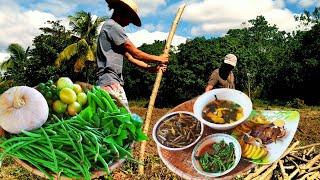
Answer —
113 44
223 76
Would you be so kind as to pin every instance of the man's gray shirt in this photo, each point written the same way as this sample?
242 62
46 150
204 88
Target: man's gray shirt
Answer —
110 53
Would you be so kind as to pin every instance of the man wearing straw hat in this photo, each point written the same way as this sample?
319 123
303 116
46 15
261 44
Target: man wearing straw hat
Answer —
113 44
223 76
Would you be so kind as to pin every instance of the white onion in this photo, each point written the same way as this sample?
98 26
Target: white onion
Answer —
22 108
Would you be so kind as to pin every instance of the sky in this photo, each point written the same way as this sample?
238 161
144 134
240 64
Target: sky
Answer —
20 20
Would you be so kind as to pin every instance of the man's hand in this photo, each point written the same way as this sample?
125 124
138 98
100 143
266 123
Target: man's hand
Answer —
155 69
208 88
163 58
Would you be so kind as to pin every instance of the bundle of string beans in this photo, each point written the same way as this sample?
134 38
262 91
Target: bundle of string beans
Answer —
100 135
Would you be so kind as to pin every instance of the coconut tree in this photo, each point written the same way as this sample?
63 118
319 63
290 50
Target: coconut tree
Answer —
85 29
17 55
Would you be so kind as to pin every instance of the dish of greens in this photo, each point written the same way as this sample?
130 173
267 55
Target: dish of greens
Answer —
216 157
178 130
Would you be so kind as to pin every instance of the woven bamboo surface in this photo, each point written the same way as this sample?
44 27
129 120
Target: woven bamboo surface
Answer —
180 161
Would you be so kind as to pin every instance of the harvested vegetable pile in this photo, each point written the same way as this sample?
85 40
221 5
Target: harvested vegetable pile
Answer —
100 135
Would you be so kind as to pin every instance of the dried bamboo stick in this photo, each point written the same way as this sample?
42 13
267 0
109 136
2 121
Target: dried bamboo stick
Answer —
310 150
314 168
285 176
311 162
269 176
295 172
306 175
297 157
313 176
290 149
257 172
304 154
307 146
269 170
156 86
288 167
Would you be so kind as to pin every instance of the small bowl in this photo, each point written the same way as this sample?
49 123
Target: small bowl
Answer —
223 94
165 117
214 138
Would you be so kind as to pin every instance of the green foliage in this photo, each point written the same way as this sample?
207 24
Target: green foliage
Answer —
273 64
39 62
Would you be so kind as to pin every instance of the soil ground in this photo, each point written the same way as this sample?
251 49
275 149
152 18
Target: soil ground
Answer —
308 133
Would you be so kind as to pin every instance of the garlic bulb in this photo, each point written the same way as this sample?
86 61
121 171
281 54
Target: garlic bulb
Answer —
22 108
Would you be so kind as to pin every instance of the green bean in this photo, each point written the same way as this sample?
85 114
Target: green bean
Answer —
104 163
108 105
98 101
30 134
51 148
84 172
26 158
91 102
94 140
109 99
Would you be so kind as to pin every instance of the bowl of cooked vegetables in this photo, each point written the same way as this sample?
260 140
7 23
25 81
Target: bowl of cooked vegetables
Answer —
216 155
177 131
222 109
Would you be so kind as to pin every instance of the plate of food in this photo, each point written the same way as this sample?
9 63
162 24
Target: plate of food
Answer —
266 135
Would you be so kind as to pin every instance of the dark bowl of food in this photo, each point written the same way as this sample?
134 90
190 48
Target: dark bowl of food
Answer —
216 155
177 131
222 109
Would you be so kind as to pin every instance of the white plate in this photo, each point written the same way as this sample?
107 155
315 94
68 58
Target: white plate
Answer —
277 148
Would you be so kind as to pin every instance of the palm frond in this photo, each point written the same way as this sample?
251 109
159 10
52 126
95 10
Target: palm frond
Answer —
66 54
8 64
17 53
90 55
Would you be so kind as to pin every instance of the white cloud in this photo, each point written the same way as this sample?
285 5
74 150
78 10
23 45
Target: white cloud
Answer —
217 17
3 56
147 7
19 26
144 36
152 27
306 3
62 7
279 3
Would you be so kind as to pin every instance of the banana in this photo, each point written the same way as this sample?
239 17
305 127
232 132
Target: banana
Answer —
251 151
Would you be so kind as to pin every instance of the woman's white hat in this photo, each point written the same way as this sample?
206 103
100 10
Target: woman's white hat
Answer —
230 59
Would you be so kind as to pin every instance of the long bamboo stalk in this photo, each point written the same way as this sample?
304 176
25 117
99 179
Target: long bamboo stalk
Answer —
156 87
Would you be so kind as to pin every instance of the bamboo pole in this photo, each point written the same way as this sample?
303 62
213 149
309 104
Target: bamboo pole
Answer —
156 86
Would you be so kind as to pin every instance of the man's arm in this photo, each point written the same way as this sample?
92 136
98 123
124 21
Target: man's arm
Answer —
213 80
138 54
137 62
144 65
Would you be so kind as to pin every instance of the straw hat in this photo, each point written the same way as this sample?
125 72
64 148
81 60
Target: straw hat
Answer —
230 59
130 5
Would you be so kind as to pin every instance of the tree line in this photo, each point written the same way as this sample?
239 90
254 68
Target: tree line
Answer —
272 64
